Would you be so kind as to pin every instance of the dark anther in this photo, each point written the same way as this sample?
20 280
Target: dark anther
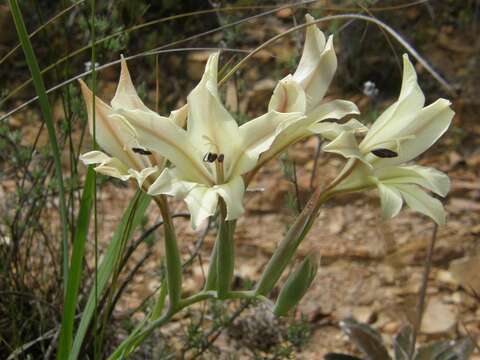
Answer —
384 153
210 157
221 157
141 151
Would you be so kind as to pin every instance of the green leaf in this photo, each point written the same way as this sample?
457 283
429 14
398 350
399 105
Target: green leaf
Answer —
403 343
296 286
75 273
47 116
446 350
286 249
366 339
130 220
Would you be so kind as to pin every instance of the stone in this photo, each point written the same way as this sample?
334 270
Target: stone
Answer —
438 317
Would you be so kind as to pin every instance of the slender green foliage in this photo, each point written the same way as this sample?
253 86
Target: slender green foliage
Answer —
75 273
95 218
47 115
130 221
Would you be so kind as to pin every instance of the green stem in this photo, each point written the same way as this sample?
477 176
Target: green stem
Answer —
297 232
129 344
172 254
226 254
289 244
211 281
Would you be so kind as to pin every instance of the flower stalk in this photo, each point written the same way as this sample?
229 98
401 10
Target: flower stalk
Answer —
172 254
298 231
225 259
288 245
211 281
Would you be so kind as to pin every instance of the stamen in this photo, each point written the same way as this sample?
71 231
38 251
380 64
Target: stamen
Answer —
384 153
219 169
210 157
141 151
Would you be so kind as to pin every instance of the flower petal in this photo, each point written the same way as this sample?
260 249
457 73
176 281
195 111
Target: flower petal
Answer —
428 126
107 165
331 130
111 134
391 201
335 109
179 116
420 201
317 65
429 178
257 136
361 178
142 175
161 135
96 157
202 202
210 126
288 96
126 96
168 183
288 133
232 193
346 145
400 115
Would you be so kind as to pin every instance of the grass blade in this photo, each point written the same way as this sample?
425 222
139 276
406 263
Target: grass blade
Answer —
75 273
47 115
130 220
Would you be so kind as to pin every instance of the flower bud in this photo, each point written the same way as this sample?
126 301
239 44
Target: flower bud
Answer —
296 286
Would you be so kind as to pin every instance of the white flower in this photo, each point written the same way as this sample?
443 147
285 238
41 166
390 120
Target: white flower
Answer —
404 131
304 92
212 154
116 136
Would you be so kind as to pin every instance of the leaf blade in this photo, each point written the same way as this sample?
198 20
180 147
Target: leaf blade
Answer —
124 231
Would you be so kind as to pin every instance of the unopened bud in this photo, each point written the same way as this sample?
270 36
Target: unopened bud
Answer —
296 286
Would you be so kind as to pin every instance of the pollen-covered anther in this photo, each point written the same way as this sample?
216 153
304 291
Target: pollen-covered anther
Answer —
210 157
221 158
141 151
384 153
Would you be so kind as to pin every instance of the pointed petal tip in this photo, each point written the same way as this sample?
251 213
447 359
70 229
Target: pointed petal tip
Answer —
329 44
354 109
210 71
213 58
309 18
86 93
83 85
408 68
444 102
123 64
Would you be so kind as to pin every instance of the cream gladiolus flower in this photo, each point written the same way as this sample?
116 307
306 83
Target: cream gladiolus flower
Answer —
212 154
116 136
404 131
304 92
